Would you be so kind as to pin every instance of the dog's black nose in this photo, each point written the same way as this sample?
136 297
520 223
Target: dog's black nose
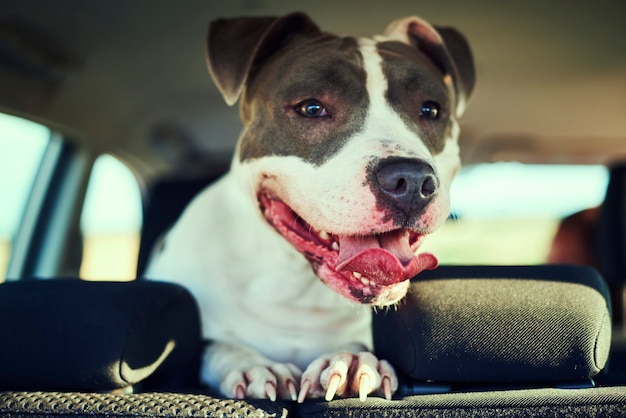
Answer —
407 184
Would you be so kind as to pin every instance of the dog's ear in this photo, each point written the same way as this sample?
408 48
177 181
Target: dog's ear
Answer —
447 48
234 46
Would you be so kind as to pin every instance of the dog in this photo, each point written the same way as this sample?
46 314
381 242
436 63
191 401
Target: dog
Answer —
344 165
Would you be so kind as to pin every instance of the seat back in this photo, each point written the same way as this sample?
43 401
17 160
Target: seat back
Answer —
611 238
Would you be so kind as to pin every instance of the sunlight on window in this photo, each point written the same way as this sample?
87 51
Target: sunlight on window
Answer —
22 145
506 190
507 213
110 222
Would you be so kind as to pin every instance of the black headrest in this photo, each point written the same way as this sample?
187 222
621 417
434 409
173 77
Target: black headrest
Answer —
490 324
611 231
67 334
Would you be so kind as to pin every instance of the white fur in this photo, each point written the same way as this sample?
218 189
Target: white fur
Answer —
251 285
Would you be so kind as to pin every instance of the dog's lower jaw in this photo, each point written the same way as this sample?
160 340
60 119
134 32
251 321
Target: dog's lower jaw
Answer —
360 289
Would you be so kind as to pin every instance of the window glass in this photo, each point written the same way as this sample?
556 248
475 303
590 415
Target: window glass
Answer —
111 222
508 213
22 145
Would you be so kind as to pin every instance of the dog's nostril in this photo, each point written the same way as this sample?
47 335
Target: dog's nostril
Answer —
402 184
393 183
429 186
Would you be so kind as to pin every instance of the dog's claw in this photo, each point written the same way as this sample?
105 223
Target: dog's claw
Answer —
348 374
364 387
293 391
270 391
389 381
387 390
333 385
240 391
305 387
271 382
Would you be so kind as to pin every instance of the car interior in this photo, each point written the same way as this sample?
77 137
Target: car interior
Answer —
110 124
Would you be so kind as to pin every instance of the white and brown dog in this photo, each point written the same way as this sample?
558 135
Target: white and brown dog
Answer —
344 165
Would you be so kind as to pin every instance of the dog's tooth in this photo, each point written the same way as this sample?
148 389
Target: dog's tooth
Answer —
357 274
335 246
324 235
365 281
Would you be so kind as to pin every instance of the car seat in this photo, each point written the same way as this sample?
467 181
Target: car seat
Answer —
500 341
610 243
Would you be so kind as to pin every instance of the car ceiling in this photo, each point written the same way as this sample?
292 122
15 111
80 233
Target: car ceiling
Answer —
129 77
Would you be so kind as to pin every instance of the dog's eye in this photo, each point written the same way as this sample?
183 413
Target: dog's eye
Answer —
430 110
311 108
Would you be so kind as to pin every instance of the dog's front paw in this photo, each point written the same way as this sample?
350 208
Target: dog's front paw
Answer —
263 382
348 374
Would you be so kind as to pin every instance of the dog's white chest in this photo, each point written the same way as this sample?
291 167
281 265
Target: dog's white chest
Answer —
251 286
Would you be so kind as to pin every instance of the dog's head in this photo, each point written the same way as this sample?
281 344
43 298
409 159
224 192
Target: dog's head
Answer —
349 145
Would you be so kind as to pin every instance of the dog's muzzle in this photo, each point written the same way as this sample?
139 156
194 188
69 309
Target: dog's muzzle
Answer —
368 267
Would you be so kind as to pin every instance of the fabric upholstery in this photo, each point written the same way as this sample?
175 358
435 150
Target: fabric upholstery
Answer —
594 402
68 334
532 324
71 404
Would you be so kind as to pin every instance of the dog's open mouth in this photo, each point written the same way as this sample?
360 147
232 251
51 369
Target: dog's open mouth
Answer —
362 267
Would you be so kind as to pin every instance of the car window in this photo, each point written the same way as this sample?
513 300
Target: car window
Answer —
22 145
111 222
508 213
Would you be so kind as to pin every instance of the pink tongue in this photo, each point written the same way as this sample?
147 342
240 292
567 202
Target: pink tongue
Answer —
386 258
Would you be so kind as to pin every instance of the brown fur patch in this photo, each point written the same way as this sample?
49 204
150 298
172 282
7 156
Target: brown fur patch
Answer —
328 69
